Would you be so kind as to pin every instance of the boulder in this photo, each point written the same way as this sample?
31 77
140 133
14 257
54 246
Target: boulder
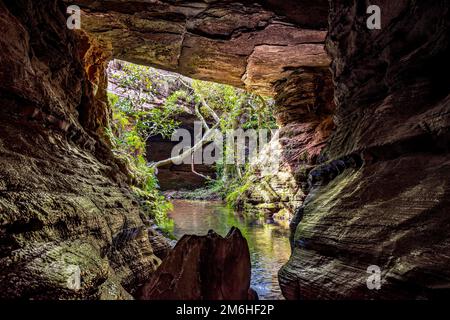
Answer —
203 268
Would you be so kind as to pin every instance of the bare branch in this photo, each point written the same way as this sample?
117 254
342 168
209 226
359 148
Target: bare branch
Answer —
210 110
195 172
210 134
200 116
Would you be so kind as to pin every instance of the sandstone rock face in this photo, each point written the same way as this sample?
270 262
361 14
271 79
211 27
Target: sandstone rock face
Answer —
70 227
203 268
221 41
372 192
304 112
160 245
383 196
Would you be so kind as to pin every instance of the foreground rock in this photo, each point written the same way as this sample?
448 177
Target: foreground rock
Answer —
203 268
69 225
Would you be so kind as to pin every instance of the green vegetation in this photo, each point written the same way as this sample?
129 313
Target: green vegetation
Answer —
235 193
131 125
138 86
236 108
146 102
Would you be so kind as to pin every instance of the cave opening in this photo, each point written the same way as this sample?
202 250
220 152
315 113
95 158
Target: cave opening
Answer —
92 193
206 188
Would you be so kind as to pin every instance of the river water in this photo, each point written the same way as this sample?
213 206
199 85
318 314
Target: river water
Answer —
268 243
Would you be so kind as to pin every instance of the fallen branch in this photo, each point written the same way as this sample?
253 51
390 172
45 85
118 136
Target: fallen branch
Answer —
209 134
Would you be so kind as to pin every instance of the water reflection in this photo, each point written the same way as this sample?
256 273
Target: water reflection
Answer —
268 243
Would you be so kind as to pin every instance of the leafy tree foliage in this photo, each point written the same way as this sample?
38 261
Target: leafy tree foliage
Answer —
146 102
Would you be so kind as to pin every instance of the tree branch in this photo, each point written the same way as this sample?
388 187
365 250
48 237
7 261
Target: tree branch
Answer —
210 110
200 116
208 135
195 172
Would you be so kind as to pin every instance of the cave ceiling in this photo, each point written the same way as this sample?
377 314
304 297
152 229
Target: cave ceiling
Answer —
248 45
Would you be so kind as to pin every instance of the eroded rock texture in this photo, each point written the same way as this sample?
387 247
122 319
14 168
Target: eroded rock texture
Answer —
304 108
65 205
383 196
203 268
222 41
69 228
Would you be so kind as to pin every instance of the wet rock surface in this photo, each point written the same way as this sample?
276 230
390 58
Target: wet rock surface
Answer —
203 268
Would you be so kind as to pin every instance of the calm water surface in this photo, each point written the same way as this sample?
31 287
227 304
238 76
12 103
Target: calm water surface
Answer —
268 243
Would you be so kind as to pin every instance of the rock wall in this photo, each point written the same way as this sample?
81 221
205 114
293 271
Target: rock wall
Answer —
383 197
70 227
374 192
304 109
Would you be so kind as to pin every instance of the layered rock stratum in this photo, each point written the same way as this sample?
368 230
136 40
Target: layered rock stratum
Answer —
67 214
223 41
388 204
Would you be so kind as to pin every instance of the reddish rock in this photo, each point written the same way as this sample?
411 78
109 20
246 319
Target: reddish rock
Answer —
392 113
203 268
248 45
